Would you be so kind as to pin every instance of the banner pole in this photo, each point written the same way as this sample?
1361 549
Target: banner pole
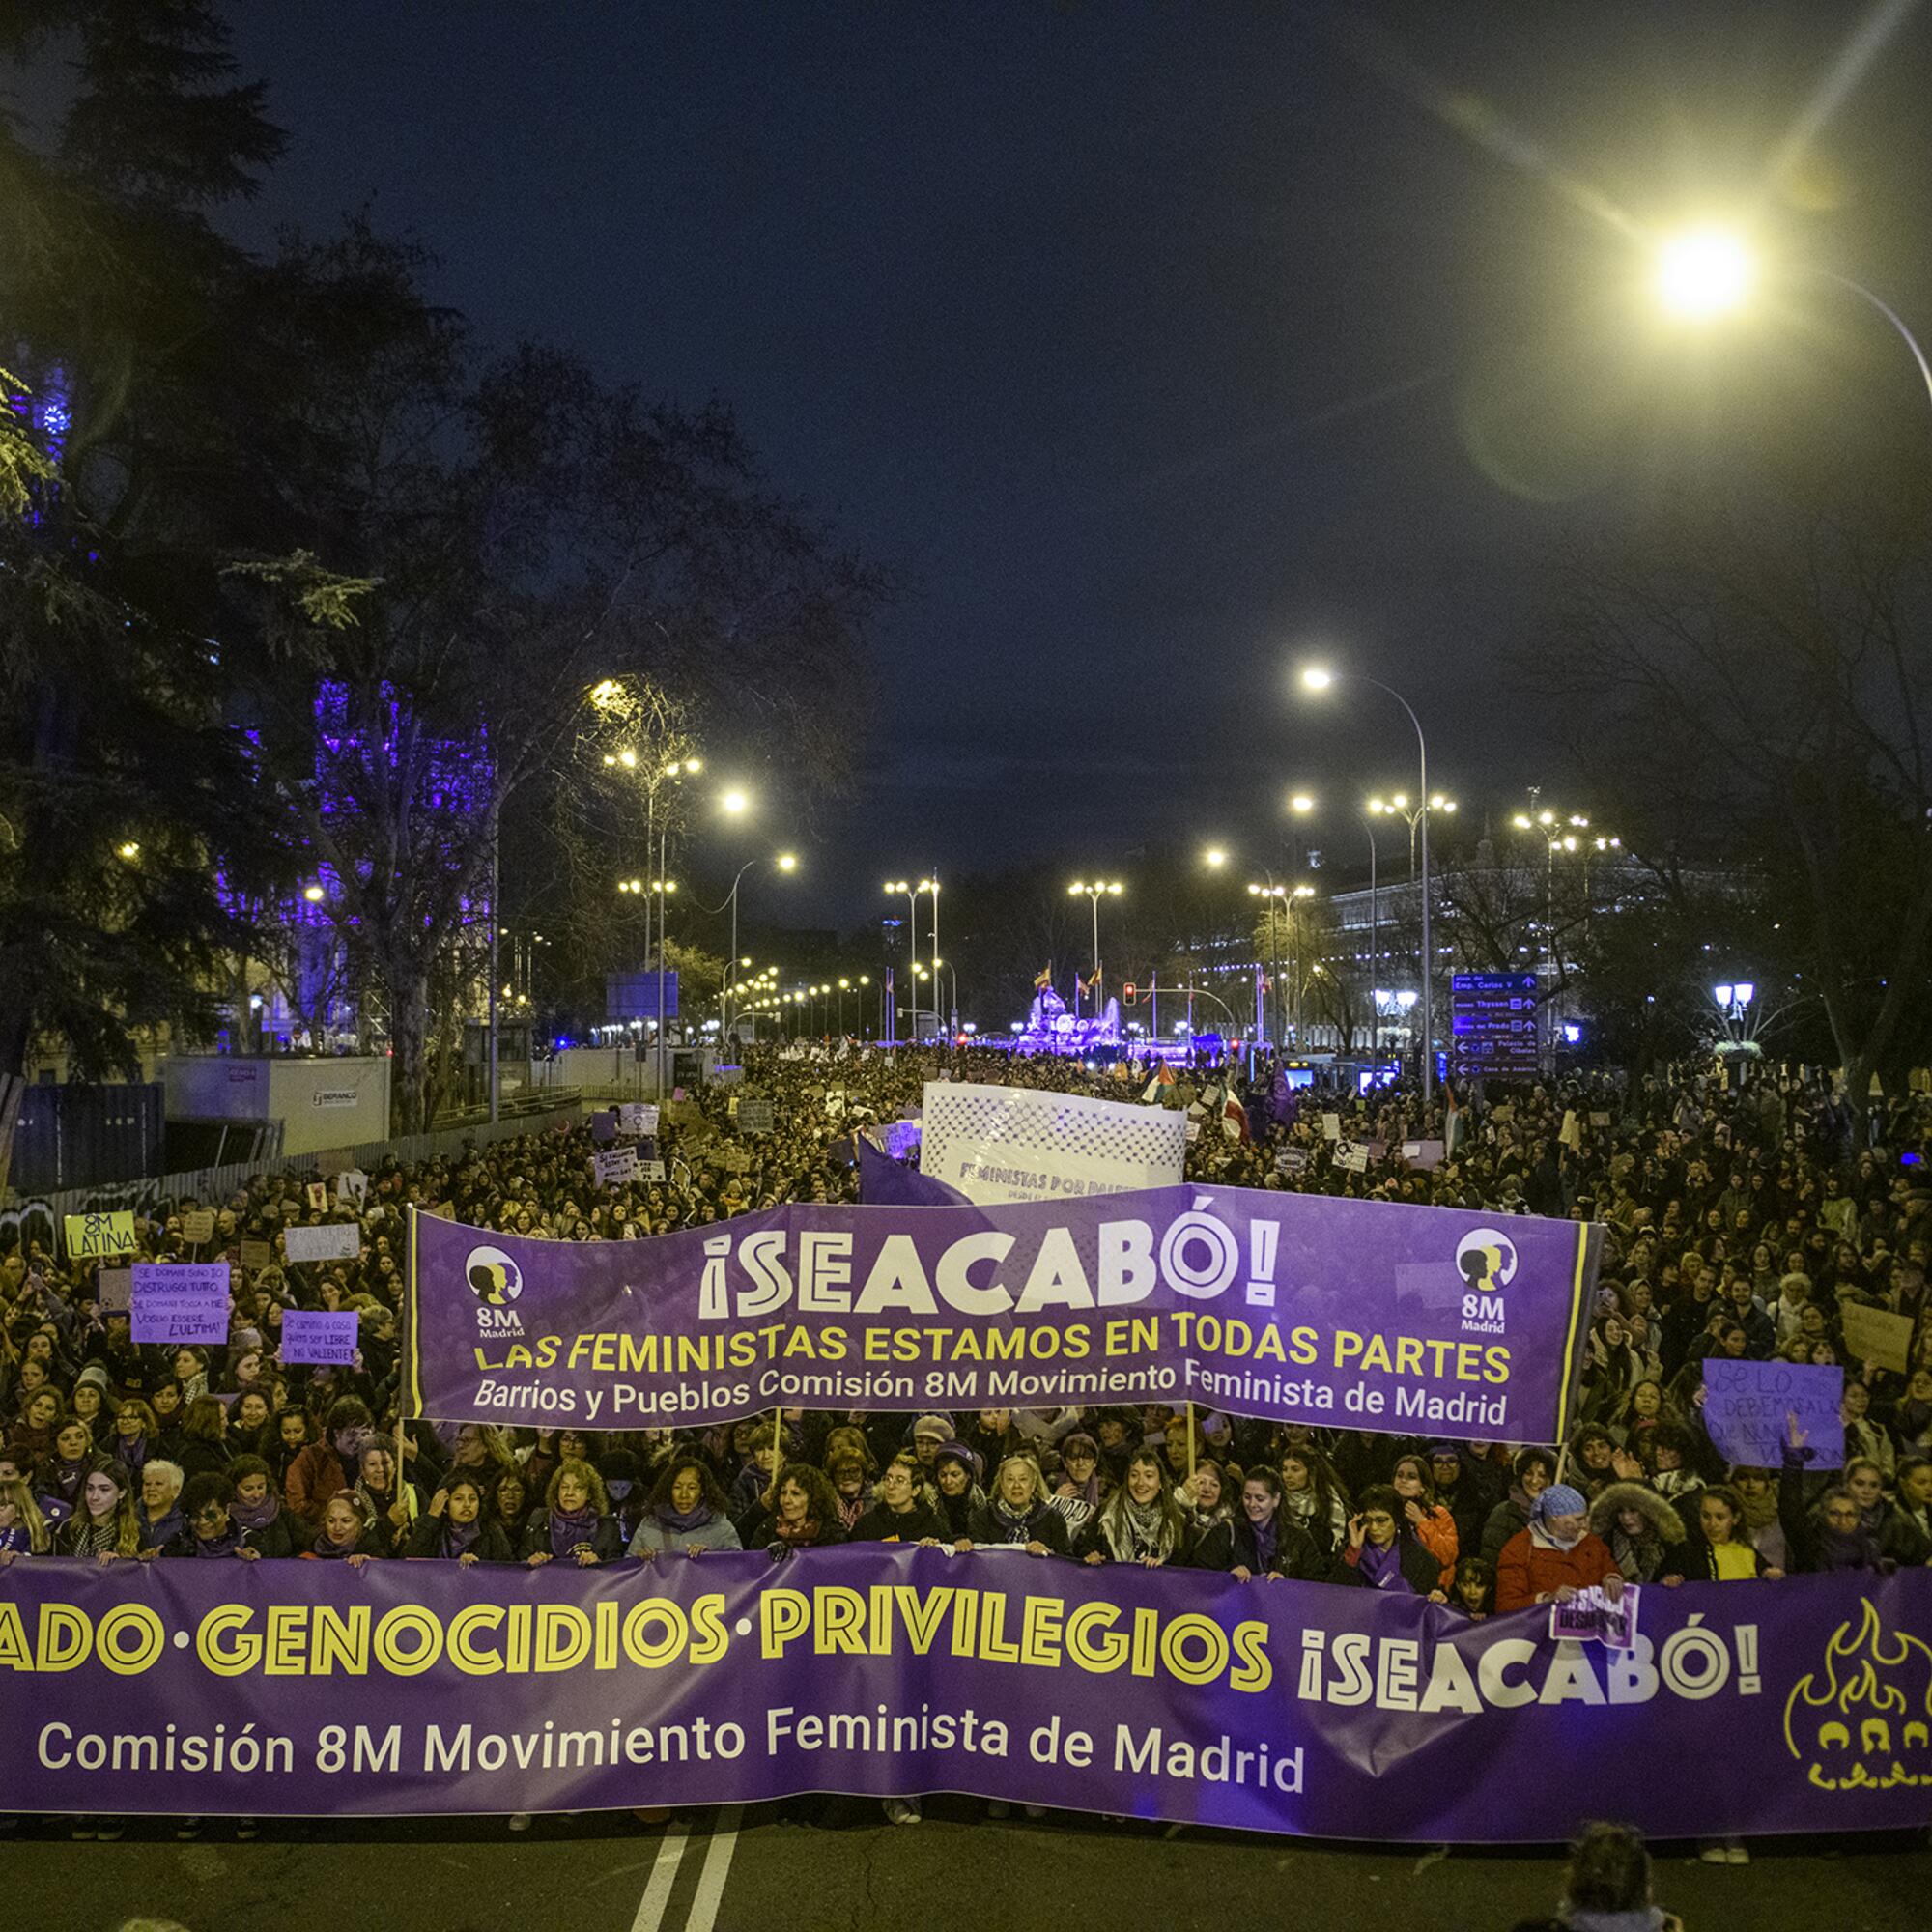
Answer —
1191 1448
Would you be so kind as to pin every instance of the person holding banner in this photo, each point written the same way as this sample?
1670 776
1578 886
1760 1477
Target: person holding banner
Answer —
60 1475
799 1511
1140 1523
686 1510
258 1510
575 1524
103 1526
1382 1552
955 1480
156 1514
455 1529
1020 1512
1265 1540
899 1513
1555 1556
23 1529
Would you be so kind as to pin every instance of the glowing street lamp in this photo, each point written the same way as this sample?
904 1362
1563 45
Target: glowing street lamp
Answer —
1701 274
1095 890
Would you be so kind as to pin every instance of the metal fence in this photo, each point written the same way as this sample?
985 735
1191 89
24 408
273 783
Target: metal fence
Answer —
37 1217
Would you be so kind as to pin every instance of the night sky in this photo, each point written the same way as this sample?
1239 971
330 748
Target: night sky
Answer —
1148 344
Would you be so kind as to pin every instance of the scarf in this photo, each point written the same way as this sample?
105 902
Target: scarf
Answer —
224 1545
1137 1530
325 1545
1637 1556
1268 1533
1541 1535
1845 1550
567 1532
796 1535
958 1510
1017 1524
132 1450
1303 1505
68 1477
1382 1569
256 1516
18 1537
457 1537
683 1522
849 1512
1761 1511
92 1539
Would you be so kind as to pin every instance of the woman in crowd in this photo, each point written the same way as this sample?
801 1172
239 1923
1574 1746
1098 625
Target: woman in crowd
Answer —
1642 1532
1534 1469
1312 1495
455 1528
1555 1556
1383 1553
899 1512
1020 1510
687 1510
23 1529
509 1497
103 1526
157 1514
346 1534
1207 1505
955 1481
204 1432
58 1479
1264 1540
332 1464
845 1470
206 1508
1434 1526
1718 1548
271 1528
1140 1523
573 1524
798 1512
390 1503
134 1431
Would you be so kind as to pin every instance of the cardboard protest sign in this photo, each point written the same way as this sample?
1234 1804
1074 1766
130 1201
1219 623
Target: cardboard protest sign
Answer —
1292 1160
1423 1154
257 1255
1331 1126
604 1127
175 1302
755 1116
734 1160
89 1237
616 1166
320 1336
1351 1157
1747 1406
1590 1617
113 1290
198 1227
335 1243
1876 1335
652 1170
352 1184
1194 1131
637 1117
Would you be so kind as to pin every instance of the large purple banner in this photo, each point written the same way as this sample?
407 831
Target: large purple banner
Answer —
310 1688
1359 1314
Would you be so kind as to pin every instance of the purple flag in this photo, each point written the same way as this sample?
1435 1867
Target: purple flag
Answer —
885 1182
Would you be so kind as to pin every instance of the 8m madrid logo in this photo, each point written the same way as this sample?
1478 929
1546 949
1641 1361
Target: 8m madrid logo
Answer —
496 1281
1486 1259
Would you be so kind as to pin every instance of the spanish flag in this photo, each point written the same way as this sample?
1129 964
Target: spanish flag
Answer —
1043 979
1093 984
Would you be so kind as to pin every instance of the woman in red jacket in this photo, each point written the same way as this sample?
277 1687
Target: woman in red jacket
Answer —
1555 1556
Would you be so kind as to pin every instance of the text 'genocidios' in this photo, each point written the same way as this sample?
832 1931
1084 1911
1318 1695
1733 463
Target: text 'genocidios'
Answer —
494 1639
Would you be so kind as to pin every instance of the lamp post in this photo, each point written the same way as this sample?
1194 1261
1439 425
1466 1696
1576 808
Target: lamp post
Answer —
896 889
1374 807
1272 893
1318 678
1095 890
784 862
932 885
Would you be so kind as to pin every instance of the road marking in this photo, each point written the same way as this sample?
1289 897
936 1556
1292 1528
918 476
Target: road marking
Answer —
664 1875
717 1869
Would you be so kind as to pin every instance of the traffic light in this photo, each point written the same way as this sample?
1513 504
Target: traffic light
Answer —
1128 994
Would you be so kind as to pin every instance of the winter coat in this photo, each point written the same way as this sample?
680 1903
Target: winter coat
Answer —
1420 1570
652 1535
1527 1570
427 1538
1644 1560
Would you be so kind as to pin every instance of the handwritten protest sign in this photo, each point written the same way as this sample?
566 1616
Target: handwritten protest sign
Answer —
755 1116
91 1236
198 1227
1351 1157
1590 1617
320 1336
323 1244
637 1117
113 1290
180 1302
1876 1335
1292 1160
1331 1126
652 1170
258 1254
1746 1404
616 1167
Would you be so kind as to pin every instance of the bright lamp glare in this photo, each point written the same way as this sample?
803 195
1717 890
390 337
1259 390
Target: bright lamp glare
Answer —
1704 272
1317 677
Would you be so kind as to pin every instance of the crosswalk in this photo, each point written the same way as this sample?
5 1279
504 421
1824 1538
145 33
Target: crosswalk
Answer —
656 1910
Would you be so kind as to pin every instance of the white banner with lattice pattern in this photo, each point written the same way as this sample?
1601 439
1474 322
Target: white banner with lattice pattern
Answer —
997 1143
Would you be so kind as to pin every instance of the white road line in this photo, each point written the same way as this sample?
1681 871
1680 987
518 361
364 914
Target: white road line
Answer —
664 1875
717 1869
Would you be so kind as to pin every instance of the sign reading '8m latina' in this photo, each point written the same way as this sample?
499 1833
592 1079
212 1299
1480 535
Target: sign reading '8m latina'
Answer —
1358 1314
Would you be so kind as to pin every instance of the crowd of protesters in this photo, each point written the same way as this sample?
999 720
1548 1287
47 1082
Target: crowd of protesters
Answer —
1739 1221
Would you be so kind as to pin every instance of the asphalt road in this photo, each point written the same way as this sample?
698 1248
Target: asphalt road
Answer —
833 1865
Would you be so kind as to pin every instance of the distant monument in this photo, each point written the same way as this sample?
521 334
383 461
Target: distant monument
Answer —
1051 1029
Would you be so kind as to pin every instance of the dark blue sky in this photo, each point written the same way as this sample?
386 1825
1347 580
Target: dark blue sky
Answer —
1145 343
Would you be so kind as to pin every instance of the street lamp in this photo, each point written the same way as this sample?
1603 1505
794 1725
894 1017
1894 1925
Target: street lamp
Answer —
1095 890
1704 274
1318 678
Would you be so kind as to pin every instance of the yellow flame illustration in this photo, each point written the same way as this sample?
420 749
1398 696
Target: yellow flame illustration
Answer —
1868 1708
